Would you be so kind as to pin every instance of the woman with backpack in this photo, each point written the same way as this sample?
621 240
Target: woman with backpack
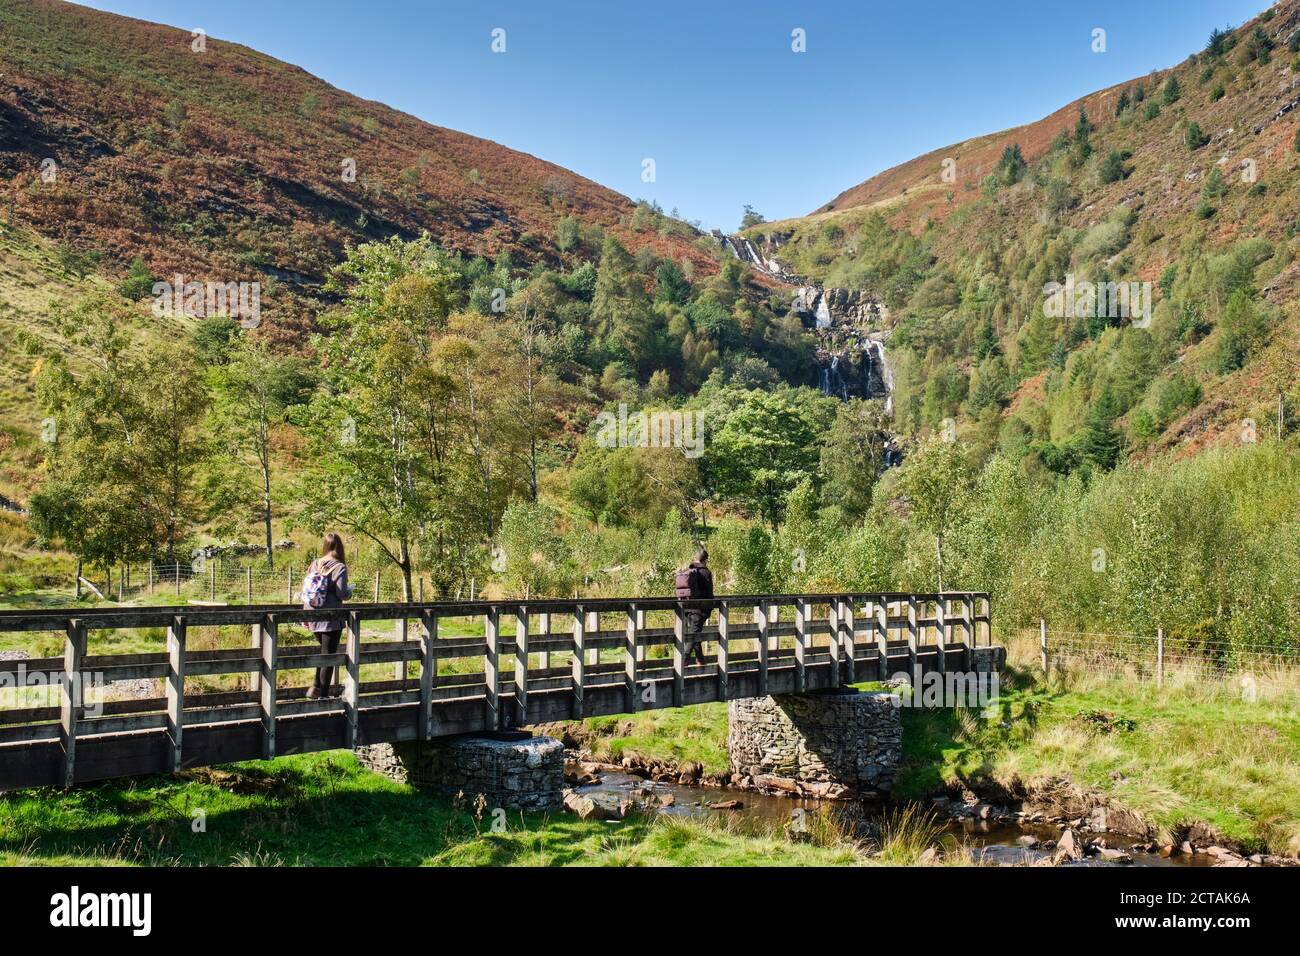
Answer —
326 585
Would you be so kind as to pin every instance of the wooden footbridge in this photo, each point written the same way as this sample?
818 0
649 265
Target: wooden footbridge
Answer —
233 680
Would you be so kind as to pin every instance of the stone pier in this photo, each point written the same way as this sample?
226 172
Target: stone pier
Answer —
516 771
841 744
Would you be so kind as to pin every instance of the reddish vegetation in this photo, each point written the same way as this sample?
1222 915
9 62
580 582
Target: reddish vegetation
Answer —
227 161
974 159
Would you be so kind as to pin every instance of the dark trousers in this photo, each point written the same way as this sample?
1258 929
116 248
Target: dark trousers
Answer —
695 621
329 644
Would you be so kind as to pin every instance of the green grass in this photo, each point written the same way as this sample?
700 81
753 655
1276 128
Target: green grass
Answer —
325 810
681 734
1175 756
1194 753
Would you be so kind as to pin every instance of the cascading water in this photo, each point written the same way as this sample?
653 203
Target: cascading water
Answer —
849 325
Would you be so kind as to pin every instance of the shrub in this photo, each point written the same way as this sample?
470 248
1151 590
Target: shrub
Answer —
1194 138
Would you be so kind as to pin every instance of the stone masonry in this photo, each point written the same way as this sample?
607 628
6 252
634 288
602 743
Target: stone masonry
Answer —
837 745
514 771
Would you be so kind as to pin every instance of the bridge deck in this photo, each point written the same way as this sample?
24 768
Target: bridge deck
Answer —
830 640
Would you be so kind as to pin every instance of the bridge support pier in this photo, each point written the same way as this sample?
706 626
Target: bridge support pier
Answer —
513 771
840 744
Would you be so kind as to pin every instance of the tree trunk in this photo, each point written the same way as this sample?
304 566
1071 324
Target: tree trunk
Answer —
266 515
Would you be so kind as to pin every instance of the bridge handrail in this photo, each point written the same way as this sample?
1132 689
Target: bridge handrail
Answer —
209 616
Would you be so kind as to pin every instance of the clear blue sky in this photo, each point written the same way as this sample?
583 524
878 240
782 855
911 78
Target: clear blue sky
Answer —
711 90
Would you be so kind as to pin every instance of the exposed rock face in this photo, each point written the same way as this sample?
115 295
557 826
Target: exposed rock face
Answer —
516 772
835 745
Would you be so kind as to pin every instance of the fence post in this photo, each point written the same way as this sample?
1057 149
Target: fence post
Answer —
288 585
428 669
352 680
176 688
151 575
724 637
521 667
376 586
1042 643
1160 657
212 582
492 668
579 662
73 695
629 660
248 579
679 656
760 619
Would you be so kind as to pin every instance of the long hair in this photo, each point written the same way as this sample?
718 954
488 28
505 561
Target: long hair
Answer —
331 546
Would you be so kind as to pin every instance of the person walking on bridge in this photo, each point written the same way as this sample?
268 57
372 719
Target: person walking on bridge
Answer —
326 585
695 581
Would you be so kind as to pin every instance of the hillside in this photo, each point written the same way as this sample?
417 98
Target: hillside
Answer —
1187 180
229 164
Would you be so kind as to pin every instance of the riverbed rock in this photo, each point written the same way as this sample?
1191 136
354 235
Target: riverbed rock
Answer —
1067 848
1112 855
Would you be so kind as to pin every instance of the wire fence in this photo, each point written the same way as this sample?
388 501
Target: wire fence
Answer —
1246 668
217 582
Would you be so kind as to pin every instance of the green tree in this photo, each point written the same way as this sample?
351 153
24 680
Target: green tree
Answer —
936 481
380 442
854 455
766 447
127 441
1101 443
252 395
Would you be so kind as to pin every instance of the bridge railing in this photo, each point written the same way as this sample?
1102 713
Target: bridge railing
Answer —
232 680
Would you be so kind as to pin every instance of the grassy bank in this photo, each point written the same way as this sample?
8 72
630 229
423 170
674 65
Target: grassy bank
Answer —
1175 756
325 810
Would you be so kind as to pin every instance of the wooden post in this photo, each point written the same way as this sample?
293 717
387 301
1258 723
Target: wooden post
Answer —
593 626
255 642
941 633
352 680
288 585
176 688
968 630
630 646
850 640
72 698
401 633
679 656
882 637
801 611
833 641
178 578
640 624
492 667
1160 650
270 661
1042 643
912 637
376 585
724 627
521 667
579 660
544 630
212 582
760 619
150 576
428 670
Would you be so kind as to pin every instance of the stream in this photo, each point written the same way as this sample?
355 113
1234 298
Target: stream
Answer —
994 844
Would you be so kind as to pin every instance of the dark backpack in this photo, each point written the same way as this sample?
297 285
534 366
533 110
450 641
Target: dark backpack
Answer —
686 582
